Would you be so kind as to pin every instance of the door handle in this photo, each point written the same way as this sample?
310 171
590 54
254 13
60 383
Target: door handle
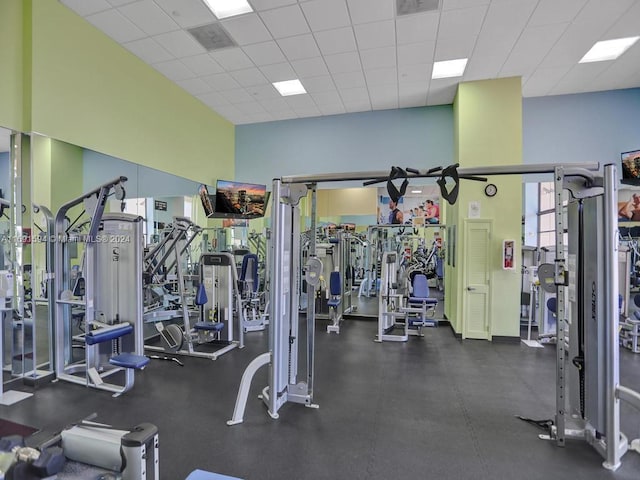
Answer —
471 288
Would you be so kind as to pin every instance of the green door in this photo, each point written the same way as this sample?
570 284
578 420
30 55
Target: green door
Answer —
476 281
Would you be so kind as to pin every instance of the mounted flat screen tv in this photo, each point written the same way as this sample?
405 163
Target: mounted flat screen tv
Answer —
631 167
239 200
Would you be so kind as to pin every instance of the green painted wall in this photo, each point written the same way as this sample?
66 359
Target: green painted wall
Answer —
487 132
66 173
11 65
87 90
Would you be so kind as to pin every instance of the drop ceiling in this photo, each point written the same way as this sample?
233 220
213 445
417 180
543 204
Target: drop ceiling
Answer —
360 55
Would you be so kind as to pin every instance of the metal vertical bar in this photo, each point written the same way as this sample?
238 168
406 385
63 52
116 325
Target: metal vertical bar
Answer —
611 319
277 349
311 304
560 309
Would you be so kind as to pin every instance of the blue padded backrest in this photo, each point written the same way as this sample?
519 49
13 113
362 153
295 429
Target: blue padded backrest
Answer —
335 287
249 270
420 286
551 304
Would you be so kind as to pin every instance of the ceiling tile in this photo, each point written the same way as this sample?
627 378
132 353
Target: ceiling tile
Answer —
365 11
626 25
326 14
466 21
148 50
354 95
552 11
310 67
442 95
383 97
250 108
571 47
599 15
117 26
502 26
541 81
415 74
332 109
87 7
343 62
213 99
483 67
179 44
531 48
150 18
300 102
378 57
336 41
323 83
202 64
454 4
278 72
263 92
264 53
249 77
410 100
375 35
230 112
381 76
301 46
349 80
412 53
246 29
417 28
115 3
269 4
289 115
187 13
174 70
275 105
221 82
194 86
620 72
326 98
232 59
578 78
237 95
285 22
456 47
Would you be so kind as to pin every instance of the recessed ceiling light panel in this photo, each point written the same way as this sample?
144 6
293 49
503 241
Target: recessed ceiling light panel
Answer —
449 68
608 49
228 8
289 87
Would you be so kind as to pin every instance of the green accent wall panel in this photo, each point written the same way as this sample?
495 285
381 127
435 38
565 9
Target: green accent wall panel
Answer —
89 91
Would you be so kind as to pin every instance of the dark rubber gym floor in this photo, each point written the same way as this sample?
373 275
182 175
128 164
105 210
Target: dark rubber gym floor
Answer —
432 408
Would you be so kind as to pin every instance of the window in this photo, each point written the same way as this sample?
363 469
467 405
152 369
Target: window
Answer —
546 215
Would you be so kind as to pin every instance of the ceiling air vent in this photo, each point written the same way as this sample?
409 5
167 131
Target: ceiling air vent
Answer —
408 7
212 36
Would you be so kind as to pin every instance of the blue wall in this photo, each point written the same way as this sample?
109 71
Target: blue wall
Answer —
585 127
413 137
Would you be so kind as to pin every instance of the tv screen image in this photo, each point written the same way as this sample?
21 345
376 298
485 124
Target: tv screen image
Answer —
631 165
240 200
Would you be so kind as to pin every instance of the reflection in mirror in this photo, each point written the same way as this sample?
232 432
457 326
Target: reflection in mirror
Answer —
16 334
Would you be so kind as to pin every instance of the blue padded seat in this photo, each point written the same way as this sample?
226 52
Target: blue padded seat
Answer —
210 326
335 289
129 360
202 475
420 292
107 333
